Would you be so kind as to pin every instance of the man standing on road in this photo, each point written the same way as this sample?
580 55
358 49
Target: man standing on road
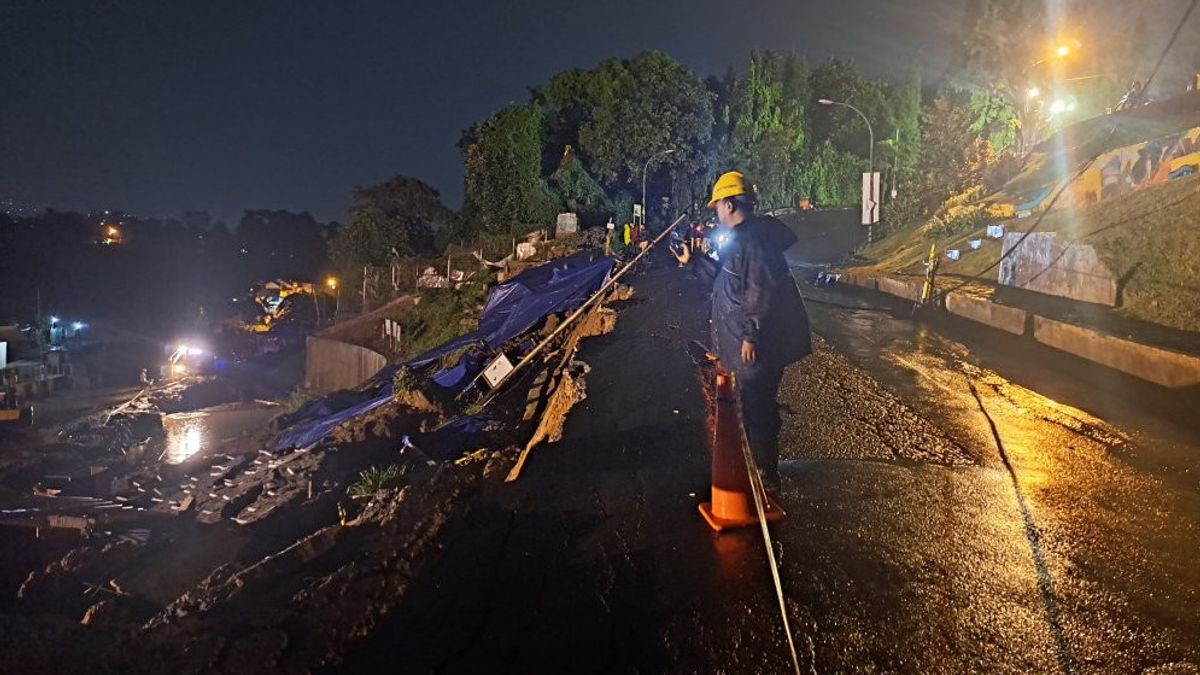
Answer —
759 323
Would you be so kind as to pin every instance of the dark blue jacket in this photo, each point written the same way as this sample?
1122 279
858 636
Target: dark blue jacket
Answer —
755 297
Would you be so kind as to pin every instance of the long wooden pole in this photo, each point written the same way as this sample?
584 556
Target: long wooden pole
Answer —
582 308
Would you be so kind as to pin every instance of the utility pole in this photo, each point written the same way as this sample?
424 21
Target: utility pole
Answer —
364 290
895 162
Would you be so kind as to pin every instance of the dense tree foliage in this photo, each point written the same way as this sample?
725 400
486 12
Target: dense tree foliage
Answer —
504 184
398 217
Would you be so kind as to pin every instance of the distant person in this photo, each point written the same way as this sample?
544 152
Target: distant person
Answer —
610 230
758 321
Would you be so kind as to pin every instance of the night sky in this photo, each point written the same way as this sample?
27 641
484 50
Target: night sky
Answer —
162 106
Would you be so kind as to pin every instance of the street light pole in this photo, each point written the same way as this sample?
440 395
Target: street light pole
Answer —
645 168
870 131
874 200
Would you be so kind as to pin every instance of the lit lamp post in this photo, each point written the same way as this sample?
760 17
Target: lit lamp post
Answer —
870 163
646 168
332 284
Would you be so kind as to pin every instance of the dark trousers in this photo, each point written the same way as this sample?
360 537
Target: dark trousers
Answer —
758 389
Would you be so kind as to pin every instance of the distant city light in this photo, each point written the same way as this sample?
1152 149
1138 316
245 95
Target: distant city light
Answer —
1063 51
53 320
78 325
332 283
1033 92
1058 107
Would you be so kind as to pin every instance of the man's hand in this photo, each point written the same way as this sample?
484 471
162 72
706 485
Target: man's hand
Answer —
749 352
684 254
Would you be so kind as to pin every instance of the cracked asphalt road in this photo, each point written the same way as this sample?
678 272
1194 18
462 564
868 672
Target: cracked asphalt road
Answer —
914 542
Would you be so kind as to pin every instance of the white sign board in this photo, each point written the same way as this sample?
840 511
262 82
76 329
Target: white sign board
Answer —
637 214
567 223
870 198
497 370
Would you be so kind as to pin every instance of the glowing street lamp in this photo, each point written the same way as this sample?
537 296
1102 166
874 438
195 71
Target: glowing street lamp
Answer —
1063 51
332 284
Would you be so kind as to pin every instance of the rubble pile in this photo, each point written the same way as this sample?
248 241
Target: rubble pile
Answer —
269 555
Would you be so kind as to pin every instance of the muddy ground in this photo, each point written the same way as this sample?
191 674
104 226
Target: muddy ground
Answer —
247 557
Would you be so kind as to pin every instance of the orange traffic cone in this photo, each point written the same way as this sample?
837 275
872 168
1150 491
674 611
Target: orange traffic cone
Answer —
732 502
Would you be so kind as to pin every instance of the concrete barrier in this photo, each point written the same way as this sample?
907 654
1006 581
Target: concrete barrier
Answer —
982 310
909 290
860 280
1161 366
330 365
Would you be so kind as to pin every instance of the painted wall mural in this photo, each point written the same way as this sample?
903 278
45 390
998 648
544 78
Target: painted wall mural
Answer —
1134 167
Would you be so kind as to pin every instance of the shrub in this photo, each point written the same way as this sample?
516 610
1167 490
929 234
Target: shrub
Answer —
959 219
374 479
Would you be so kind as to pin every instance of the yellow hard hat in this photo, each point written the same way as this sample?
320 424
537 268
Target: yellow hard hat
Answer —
730 184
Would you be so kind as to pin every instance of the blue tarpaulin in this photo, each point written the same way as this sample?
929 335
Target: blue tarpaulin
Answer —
511 309
304 435
514 306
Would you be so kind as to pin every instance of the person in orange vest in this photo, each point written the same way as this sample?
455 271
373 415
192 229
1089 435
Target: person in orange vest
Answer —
759 324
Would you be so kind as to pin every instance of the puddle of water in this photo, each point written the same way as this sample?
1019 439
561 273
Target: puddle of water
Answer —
198 433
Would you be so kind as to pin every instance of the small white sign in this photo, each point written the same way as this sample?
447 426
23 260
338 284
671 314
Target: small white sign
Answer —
497 370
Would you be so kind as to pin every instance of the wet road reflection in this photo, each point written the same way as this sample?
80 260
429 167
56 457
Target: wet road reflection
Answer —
198 433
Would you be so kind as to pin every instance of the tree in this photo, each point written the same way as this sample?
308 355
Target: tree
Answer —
953 154
839 80
995 118
504 186
578 192
396 217
769 134
832 177
634 111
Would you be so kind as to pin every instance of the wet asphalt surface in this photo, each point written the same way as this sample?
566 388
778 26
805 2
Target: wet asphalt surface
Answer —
915 542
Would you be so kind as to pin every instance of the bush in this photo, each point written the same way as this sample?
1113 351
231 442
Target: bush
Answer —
906 209
999 173
374 479
960 219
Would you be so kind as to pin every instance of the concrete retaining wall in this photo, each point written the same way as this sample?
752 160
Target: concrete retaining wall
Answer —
1002 317
909 290
1044 265
1161 366
330 365
860 281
